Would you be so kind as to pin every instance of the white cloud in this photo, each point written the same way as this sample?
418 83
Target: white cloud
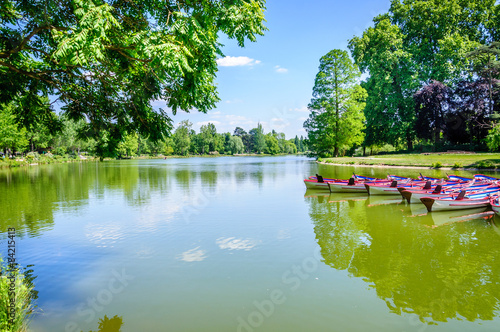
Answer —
238 120
280 70
232 243
234 101
233 61
204 123
301 109
193 255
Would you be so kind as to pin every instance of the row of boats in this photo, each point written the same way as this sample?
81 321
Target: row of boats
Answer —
453 193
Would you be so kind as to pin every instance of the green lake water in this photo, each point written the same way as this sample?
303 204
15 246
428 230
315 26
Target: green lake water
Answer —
238 244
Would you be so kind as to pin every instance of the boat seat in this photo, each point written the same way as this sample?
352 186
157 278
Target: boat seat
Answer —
394 184
461 195
427 185
437 190
320 178
351 182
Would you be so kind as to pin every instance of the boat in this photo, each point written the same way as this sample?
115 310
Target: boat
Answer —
315 184
321 183
414 195
389 188
485 178
461 201
495 204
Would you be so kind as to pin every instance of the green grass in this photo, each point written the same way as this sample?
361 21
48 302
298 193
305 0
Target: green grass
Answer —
25 296
477 160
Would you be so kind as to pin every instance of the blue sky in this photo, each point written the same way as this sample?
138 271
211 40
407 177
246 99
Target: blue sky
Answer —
270 81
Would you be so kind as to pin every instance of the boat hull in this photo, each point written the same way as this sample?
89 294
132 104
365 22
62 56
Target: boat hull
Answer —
345 188
381 190
433 204
313 184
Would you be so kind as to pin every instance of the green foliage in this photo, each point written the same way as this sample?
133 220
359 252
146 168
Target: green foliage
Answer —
485 164
272 146
258 138
25 295
128 146
493 138
457 165
182 138
107 61
336 121
437 164
413 44
12 137
235 145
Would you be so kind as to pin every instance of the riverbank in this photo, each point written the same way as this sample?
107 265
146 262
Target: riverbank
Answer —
485 161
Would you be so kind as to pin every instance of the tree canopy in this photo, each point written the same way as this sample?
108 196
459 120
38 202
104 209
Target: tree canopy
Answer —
106 61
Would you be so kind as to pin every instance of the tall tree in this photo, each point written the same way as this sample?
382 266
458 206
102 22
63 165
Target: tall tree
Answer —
182 138
389 108
336 118
107 60
258 139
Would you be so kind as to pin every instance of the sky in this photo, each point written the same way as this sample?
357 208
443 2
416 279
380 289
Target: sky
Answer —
271 81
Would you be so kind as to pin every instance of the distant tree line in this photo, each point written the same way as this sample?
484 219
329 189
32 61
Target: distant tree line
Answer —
40 138
432 72
186 141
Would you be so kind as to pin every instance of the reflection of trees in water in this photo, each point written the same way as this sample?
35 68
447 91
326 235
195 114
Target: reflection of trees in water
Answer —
28 196
442 273
110 324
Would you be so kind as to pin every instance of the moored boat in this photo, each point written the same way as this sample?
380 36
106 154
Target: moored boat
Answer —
414 195
461 201
495 204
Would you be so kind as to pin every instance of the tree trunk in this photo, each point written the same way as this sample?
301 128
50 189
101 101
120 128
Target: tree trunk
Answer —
409 142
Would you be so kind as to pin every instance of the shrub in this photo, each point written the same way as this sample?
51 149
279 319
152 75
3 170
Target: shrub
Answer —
31 156
485 164
437 164
320 159
25 296
457 165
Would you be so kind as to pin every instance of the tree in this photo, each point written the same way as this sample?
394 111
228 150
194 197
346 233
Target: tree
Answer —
433 104
235 145
182 138
238 131
390 87
106 61
128 146
487 66
258 138
336 118
12 138
272 145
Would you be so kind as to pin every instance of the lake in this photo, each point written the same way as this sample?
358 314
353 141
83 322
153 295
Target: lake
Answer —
238 244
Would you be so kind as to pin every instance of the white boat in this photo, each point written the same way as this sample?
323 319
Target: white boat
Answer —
315 184
495 204
413 196
461 201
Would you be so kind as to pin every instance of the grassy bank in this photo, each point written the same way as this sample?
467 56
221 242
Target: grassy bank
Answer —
436 160
17 297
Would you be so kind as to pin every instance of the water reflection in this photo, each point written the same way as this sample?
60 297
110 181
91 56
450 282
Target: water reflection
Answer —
110 324
30 196
437 273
